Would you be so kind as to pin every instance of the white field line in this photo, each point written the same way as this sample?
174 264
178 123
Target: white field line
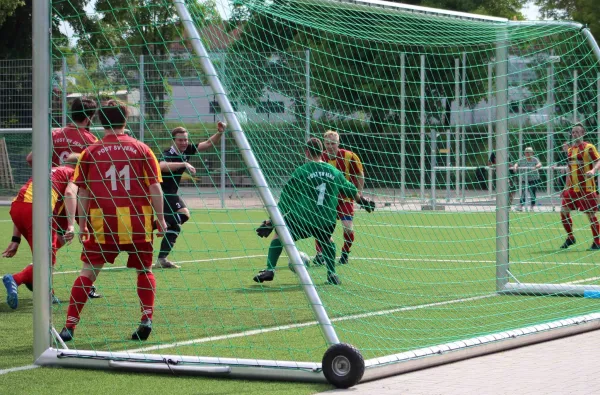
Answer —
362 259
304 324
312 323
274 329
194 261
292 326
18 369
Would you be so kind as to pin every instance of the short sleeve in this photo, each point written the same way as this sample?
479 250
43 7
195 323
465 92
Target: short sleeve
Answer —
192 149
593 153
357 167
81 170
152 173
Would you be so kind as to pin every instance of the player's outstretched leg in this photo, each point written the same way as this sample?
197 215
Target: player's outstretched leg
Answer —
168 241
595 231
275 250
318 261
329 256
146 289
568 225
348 240
79 296
13 281
12 297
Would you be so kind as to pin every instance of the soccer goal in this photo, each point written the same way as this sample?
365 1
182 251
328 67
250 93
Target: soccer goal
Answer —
422 96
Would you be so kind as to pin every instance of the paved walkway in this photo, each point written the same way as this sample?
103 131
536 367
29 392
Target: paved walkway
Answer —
567 366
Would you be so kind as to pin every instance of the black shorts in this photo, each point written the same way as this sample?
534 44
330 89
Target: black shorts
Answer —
301 230
173 203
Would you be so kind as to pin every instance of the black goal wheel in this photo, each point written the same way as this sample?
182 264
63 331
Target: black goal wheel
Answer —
343 365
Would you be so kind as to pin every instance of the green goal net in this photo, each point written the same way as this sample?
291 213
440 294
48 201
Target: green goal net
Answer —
461 250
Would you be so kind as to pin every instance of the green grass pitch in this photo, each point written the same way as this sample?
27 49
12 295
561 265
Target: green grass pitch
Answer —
415 279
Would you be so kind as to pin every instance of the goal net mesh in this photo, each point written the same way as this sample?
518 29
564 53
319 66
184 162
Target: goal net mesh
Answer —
413 94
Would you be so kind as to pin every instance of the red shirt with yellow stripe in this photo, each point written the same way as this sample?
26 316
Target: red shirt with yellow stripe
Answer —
118 171
348 163
581 159
60 177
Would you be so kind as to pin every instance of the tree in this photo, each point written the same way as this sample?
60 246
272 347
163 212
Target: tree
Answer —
355 65
584 11
142 27
15 87
8 7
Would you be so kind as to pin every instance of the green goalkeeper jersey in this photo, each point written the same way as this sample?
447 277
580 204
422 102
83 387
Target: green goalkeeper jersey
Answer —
311 195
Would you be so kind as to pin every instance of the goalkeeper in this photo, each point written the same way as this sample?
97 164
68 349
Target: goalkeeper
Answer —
308 203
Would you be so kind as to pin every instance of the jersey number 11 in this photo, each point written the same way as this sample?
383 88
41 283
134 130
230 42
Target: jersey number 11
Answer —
124 174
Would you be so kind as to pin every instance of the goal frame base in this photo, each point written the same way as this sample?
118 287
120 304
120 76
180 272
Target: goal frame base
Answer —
375 368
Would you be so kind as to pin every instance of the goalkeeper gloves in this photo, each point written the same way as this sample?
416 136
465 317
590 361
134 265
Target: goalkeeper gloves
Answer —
367 204
265 229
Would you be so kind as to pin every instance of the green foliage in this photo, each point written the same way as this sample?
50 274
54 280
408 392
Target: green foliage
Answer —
137 27
584 11
8 7
354 63
501 8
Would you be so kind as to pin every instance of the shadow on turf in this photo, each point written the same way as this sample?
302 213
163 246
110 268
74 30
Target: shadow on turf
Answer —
270 288
25 305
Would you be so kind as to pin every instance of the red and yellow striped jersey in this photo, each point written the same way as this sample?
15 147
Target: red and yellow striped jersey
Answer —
348 163
581 159
69 139
118 171
60 177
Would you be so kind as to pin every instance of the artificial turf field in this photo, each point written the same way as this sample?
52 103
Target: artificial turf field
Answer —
415 279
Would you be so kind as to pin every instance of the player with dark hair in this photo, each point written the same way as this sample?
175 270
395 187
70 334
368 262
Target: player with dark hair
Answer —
350 165
309 202
117 185
73 138
173 164
580 188
76 136
21 212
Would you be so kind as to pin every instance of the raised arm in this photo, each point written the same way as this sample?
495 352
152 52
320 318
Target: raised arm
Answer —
214 139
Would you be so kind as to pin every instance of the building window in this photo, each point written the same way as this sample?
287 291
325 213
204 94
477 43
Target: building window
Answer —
215 108
270 107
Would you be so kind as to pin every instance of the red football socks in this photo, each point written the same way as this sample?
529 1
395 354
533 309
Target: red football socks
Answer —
79 296
146 287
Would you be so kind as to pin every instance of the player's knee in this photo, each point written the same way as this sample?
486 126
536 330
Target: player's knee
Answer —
173 228
173 224
184 216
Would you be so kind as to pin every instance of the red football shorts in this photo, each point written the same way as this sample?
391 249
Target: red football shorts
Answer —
140 254
582 201
22 216
345 210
